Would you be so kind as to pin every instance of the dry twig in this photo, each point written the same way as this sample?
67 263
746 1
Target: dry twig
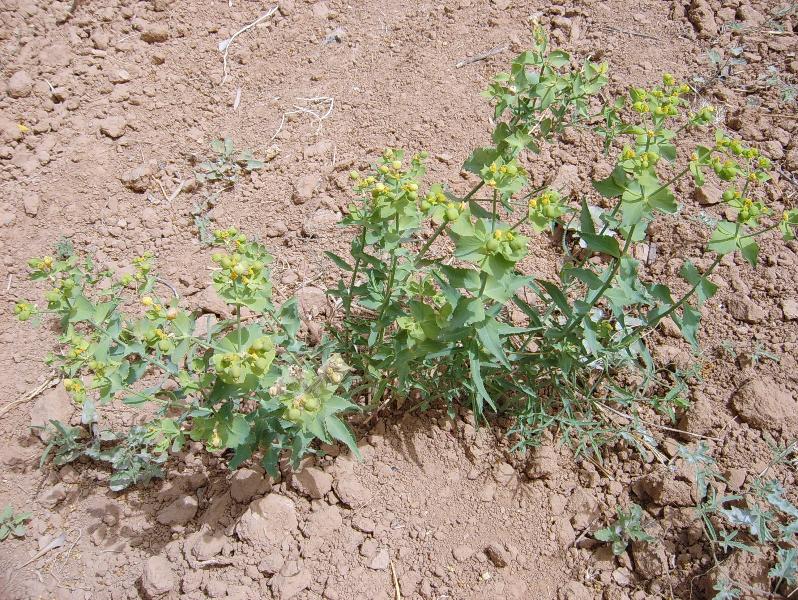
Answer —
483 56
51 381
224 45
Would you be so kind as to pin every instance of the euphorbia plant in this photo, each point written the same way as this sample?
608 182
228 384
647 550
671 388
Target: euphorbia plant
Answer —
428 318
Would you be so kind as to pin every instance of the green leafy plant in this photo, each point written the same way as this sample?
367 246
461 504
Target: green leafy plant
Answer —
428 317
627 528
228 164
241 384
11 523
758 518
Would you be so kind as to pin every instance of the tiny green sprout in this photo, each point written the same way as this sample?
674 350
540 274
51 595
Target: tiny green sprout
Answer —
12 523
627 528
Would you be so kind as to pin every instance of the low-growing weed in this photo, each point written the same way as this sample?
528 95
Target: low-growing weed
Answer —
758 519
627 528
12 523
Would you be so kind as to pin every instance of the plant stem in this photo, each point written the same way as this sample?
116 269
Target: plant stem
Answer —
493 211
635 335
348 303
429 242
473 191
607 282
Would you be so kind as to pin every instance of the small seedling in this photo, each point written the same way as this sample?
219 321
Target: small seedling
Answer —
12 524
626 529
228 164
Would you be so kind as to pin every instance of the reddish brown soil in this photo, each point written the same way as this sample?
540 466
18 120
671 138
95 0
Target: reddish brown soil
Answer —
110 87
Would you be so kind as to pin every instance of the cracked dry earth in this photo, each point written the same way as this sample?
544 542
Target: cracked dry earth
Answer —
105 108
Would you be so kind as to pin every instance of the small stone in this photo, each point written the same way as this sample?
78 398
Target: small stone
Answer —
54 405
304 188
31 204
497 555
20 85
138 178
313 482
574 590
708 195
542 462
351 492
154 33
206 543
650 559
113 126
277 229
735 478
323 523
53 496
789 308
268 521
157 578
247 483
119 76
746 310
583 507
364 524
488 492
178 512
462 552
284 587
380 560
764 404
320 222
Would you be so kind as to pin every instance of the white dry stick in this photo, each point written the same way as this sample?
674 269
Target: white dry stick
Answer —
224 45
237 101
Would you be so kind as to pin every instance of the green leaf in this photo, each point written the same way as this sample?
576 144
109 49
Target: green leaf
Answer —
476 377
724 238
488 334
480 158
340 262
705 288
557 296
614 185
603 244
339 431
749 249
558 58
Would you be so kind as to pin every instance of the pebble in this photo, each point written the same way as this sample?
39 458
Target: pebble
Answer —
380 560
178 512
157 578
154 33
113 126
304 188
20 85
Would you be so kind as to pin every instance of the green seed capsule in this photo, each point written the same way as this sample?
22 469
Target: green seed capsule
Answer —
452 214
311 404
294 414
492 245
517 244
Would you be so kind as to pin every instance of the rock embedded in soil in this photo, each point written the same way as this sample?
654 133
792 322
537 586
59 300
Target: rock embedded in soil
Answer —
52 497
542 462
462 552
138 178
20 85
764 404
277 229
583 507
205 543
286 587
154 33
789 308
245 484
178 512
708 195
320 222
745 310
157 579
575 590
323 523
702 17
497 555
53 405
351 492
312 482
663 488
31 204
304 188
650 559
380 560
113 126
268 521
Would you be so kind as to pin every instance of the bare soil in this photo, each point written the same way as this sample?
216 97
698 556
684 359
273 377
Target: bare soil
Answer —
106 109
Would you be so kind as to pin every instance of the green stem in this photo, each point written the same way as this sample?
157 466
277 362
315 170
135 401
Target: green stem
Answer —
493 211
473 191
607 282
429 242
348 304
760 232
635 335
